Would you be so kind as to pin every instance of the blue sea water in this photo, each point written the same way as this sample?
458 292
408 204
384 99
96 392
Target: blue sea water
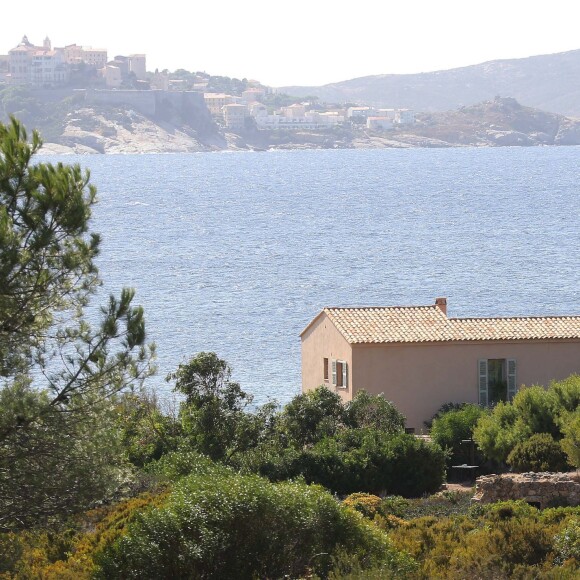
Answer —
237 252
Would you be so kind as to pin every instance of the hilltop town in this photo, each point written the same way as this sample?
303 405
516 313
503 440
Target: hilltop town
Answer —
82 101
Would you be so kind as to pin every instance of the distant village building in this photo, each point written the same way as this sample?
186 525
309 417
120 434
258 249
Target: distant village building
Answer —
235 115
405 117
379 123
113 76
396 116
359 112
121 68
215 102
137 66
4 64
253 95
93 57
160 81
295 111
36 65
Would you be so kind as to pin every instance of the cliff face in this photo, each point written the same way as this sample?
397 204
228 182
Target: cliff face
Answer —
119 131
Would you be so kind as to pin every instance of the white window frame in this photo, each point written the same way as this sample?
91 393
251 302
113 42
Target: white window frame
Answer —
344 364
511 369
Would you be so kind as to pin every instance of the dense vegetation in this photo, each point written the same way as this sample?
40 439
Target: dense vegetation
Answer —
98 481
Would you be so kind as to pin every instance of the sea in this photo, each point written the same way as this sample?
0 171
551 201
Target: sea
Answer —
235 252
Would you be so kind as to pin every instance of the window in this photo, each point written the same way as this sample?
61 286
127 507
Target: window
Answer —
497 380
340 374
325 370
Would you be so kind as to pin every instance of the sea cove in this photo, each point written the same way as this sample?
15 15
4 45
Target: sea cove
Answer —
236 252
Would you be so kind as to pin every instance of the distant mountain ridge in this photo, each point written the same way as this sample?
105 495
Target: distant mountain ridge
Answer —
548 82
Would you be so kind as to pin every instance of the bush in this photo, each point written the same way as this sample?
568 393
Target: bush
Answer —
454 426
533 410
570 444
365 503
538 453
365 460
567 544
232 526
374 411
356 460
503 540
67 554
178 464
311 416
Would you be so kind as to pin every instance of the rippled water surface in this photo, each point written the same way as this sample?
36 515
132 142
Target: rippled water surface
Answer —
236 252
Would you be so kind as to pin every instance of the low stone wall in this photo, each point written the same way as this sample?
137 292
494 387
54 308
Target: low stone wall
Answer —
540 489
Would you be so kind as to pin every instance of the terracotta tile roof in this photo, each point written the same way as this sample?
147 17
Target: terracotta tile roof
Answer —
430 324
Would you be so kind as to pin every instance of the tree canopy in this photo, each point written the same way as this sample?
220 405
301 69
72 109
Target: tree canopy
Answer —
58 369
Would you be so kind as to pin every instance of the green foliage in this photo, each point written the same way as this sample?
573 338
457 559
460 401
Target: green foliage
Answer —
67 553
450 428
146 432
445 408
231 526
58 371
534 410
374 411
311 416
230 86
538 453
505 540
567 544
497 433
212 414
570 424
365 503
178 464
357 460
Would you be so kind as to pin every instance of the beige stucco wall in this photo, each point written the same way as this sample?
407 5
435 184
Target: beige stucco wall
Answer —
321 339
418 378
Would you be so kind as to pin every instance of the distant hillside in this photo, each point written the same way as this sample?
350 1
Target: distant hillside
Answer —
500 122
549 82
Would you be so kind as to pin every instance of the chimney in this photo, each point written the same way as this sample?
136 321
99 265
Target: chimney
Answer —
442 303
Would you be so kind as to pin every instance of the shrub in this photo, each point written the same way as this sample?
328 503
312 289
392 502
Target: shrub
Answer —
454 426
311 416
232 526
355 460
538 453
498 432
571 442
365 503
67 554
374 411
178 464
533 410
503 540
567 544
361 460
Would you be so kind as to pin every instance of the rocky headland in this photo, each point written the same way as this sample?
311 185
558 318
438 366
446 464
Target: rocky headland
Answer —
498 123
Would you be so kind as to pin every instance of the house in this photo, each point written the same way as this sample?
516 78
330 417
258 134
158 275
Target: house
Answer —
419 358
379 123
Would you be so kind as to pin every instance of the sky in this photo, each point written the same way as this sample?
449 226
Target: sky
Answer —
301 42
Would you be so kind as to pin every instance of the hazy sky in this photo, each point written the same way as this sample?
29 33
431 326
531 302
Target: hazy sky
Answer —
301 42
